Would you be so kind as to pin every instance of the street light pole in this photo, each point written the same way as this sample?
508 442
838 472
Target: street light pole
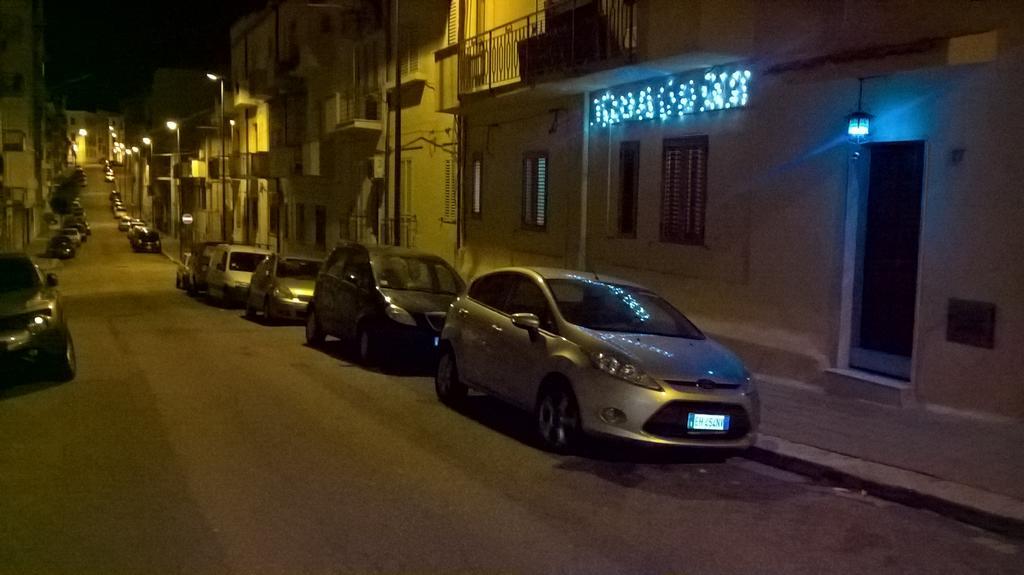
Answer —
223 179
175 200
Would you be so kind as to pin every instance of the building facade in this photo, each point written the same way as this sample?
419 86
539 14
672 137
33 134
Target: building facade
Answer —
23 193
706 150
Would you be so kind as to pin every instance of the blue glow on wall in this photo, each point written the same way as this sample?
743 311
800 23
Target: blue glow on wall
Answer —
673 97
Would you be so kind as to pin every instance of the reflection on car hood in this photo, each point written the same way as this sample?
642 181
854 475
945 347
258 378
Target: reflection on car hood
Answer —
419 301
675 358
20 301
298 286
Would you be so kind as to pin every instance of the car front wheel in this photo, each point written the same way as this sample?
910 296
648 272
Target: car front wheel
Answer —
67 364
314 333
367 342
558 419
449 388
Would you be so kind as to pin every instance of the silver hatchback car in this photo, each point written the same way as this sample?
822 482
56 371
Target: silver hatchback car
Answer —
588 354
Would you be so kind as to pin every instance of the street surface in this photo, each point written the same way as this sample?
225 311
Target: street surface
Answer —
196 441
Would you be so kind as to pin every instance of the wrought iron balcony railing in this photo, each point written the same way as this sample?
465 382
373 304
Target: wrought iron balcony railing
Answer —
565 38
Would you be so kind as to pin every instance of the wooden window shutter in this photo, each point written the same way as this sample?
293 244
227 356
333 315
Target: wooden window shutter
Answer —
535 189
684 190
450 187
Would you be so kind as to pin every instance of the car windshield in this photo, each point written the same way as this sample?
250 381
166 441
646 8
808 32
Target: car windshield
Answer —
244 261
610 307
298 269
415 273
16 274
149 236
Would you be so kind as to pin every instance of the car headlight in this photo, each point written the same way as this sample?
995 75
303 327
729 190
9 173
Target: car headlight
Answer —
623 369
283 292
38 324
399 314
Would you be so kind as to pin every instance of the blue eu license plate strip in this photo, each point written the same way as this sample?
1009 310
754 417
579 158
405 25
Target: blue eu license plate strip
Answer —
707 422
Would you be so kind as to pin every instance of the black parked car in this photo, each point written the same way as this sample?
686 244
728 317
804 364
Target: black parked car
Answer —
198 266
60 247
370 295
146 240
32 326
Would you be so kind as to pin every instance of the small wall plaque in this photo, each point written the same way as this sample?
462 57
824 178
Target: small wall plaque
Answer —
971 323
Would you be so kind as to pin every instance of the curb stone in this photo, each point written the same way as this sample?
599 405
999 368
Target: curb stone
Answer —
971 505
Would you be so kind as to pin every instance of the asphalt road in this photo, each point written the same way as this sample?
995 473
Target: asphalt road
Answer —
196 441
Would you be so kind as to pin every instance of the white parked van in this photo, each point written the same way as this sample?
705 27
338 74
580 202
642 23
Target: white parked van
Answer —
230 272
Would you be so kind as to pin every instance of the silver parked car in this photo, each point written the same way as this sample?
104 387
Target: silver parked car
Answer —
281 287
592 354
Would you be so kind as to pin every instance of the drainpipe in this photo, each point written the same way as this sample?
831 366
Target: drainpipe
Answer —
581 260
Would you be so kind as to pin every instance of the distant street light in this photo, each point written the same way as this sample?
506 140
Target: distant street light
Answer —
172 125
147 141
83 132
135 149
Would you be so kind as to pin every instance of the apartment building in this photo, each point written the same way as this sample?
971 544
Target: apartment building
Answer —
315 111
22 147
828 187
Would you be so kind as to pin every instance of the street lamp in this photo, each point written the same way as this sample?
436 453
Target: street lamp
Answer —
175 200
223 182
83 132
147 141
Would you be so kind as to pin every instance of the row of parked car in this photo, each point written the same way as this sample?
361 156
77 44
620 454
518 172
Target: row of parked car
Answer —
584 353
75 229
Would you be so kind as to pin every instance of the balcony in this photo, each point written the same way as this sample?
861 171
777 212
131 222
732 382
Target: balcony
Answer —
240 165
567 38
260 164
359 114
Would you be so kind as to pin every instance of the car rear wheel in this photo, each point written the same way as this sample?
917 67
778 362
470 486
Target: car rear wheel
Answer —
558 419
314 333
449 388
67 364
367 346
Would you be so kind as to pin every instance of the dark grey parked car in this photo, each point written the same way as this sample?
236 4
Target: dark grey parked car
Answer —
379 296
33 331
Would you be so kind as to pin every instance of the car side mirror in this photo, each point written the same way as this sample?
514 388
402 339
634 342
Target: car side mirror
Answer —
51 280
528 321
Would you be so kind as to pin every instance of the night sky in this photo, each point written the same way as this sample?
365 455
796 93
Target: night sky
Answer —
100 53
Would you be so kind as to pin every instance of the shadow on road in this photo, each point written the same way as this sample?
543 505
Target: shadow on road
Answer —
397 362
19 380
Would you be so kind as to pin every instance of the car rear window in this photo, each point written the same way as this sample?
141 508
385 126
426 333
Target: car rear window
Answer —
244 261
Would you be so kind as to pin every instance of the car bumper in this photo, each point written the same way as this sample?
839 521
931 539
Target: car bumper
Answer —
20 344
236 294
288 308
615 408
401 338
152 248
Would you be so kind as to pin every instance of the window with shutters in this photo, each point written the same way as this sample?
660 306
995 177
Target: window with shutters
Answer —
684 190
451 204
410 53
535 190
629 183
475 206
407 178
453 22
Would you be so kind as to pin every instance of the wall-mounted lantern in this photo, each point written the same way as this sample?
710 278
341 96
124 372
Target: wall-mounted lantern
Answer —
858 125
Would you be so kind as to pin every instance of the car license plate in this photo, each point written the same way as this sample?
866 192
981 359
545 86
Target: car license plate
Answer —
707 422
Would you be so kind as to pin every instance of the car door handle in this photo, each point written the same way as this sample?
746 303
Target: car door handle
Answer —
496 328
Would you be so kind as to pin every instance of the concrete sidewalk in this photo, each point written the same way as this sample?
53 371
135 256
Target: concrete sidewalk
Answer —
964 467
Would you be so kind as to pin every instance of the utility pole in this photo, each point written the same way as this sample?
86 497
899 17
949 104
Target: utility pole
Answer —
398 128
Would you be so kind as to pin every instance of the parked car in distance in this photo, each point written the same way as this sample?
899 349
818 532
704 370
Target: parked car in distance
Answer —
32 326
181 273
82 227
281 287
124 223
199 267
60 247
593 354
115 196
134 224
74 234
146 240
370 295
231 267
